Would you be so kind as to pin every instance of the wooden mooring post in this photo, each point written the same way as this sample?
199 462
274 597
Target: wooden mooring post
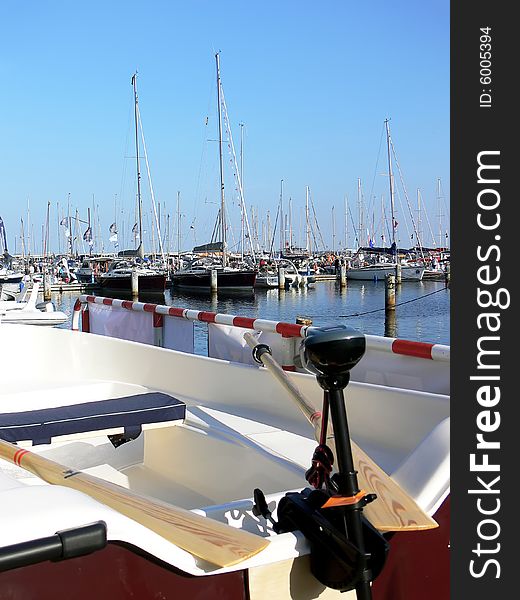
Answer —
398 274
390 293
135 283
213 281
46 287
281 278
341 276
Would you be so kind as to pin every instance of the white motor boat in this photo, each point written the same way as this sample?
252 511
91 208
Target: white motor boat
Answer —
379 272
31 312
165 450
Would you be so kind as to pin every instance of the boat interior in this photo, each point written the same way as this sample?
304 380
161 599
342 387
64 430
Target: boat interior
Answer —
236 431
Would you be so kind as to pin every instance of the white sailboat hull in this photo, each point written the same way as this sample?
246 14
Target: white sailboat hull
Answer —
379 272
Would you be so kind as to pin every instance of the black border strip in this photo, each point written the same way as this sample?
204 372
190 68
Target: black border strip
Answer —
483 527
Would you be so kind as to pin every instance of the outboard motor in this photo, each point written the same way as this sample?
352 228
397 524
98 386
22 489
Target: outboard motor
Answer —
347 552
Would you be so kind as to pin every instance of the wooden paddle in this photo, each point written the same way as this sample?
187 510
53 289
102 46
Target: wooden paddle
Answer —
394 509
206 538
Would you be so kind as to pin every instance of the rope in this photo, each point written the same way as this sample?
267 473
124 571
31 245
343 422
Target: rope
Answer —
399 304
318 475
368 312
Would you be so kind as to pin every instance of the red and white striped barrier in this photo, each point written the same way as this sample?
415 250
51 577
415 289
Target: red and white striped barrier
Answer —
225 341
409 348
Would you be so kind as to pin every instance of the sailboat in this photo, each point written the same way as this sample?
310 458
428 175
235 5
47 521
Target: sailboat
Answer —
8 275
118 278
216 273
378 269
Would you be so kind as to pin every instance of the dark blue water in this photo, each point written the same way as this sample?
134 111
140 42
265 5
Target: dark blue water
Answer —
422 308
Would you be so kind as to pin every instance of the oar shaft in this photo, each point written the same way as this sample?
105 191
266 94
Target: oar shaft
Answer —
206 538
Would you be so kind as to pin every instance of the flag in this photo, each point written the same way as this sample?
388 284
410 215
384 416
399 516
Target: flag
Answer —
371 243
64 221
113 233
87 236
2 234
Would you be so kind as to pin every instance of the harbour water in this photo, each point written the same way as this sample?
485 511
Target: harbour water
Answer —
422 308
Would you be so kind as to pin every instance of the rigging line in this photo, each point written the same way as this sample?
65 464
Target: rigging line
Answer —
151 188
430 227
236 172
317 225
273 237
375 168
398 304
203 160
354 227
407 200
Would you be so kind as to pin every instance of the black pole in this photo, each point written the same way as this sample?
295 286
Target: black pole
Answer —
348 484
346 477
331 352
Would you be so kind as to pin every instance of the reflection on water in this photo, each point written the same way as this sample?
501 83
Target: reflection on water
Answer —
422 308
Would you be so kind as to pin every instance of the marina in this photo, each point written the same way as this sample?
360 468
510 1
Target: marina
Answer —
360 305
225 291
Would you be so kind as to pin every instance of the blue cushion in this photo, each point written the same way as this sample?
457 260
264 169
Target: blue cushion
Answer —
128 413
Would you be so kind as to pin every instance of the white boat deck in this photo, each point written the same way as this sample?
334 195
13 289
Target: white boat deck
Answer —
240 432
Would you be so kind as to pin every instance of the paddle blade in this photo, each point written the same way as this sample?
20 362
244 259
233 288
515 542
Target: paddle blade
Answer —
394 509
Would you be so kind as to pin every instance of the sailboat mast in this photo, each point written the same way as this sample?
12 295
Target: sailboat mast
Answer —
333 231
360 212
391 180
140 248
440 211
178 225
241 173
346 223
221 168
307 223
282 224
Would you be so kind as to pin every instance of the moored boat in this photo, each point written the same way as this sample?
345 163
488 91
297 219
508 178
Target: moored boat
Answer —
118 278
30 311
378 272
200 278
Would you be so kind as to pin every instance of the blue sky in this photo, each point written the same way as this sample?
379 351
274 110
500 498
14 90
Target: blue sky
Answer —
312 82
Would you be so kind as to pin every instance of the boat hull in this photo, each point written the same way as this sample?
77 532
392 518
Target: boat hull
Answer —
11 278
380 273
417 567
147 284
228 281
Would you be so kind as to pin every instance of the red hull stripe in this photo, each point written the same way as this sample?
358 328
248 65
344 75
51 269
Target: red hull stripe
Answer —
417 349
